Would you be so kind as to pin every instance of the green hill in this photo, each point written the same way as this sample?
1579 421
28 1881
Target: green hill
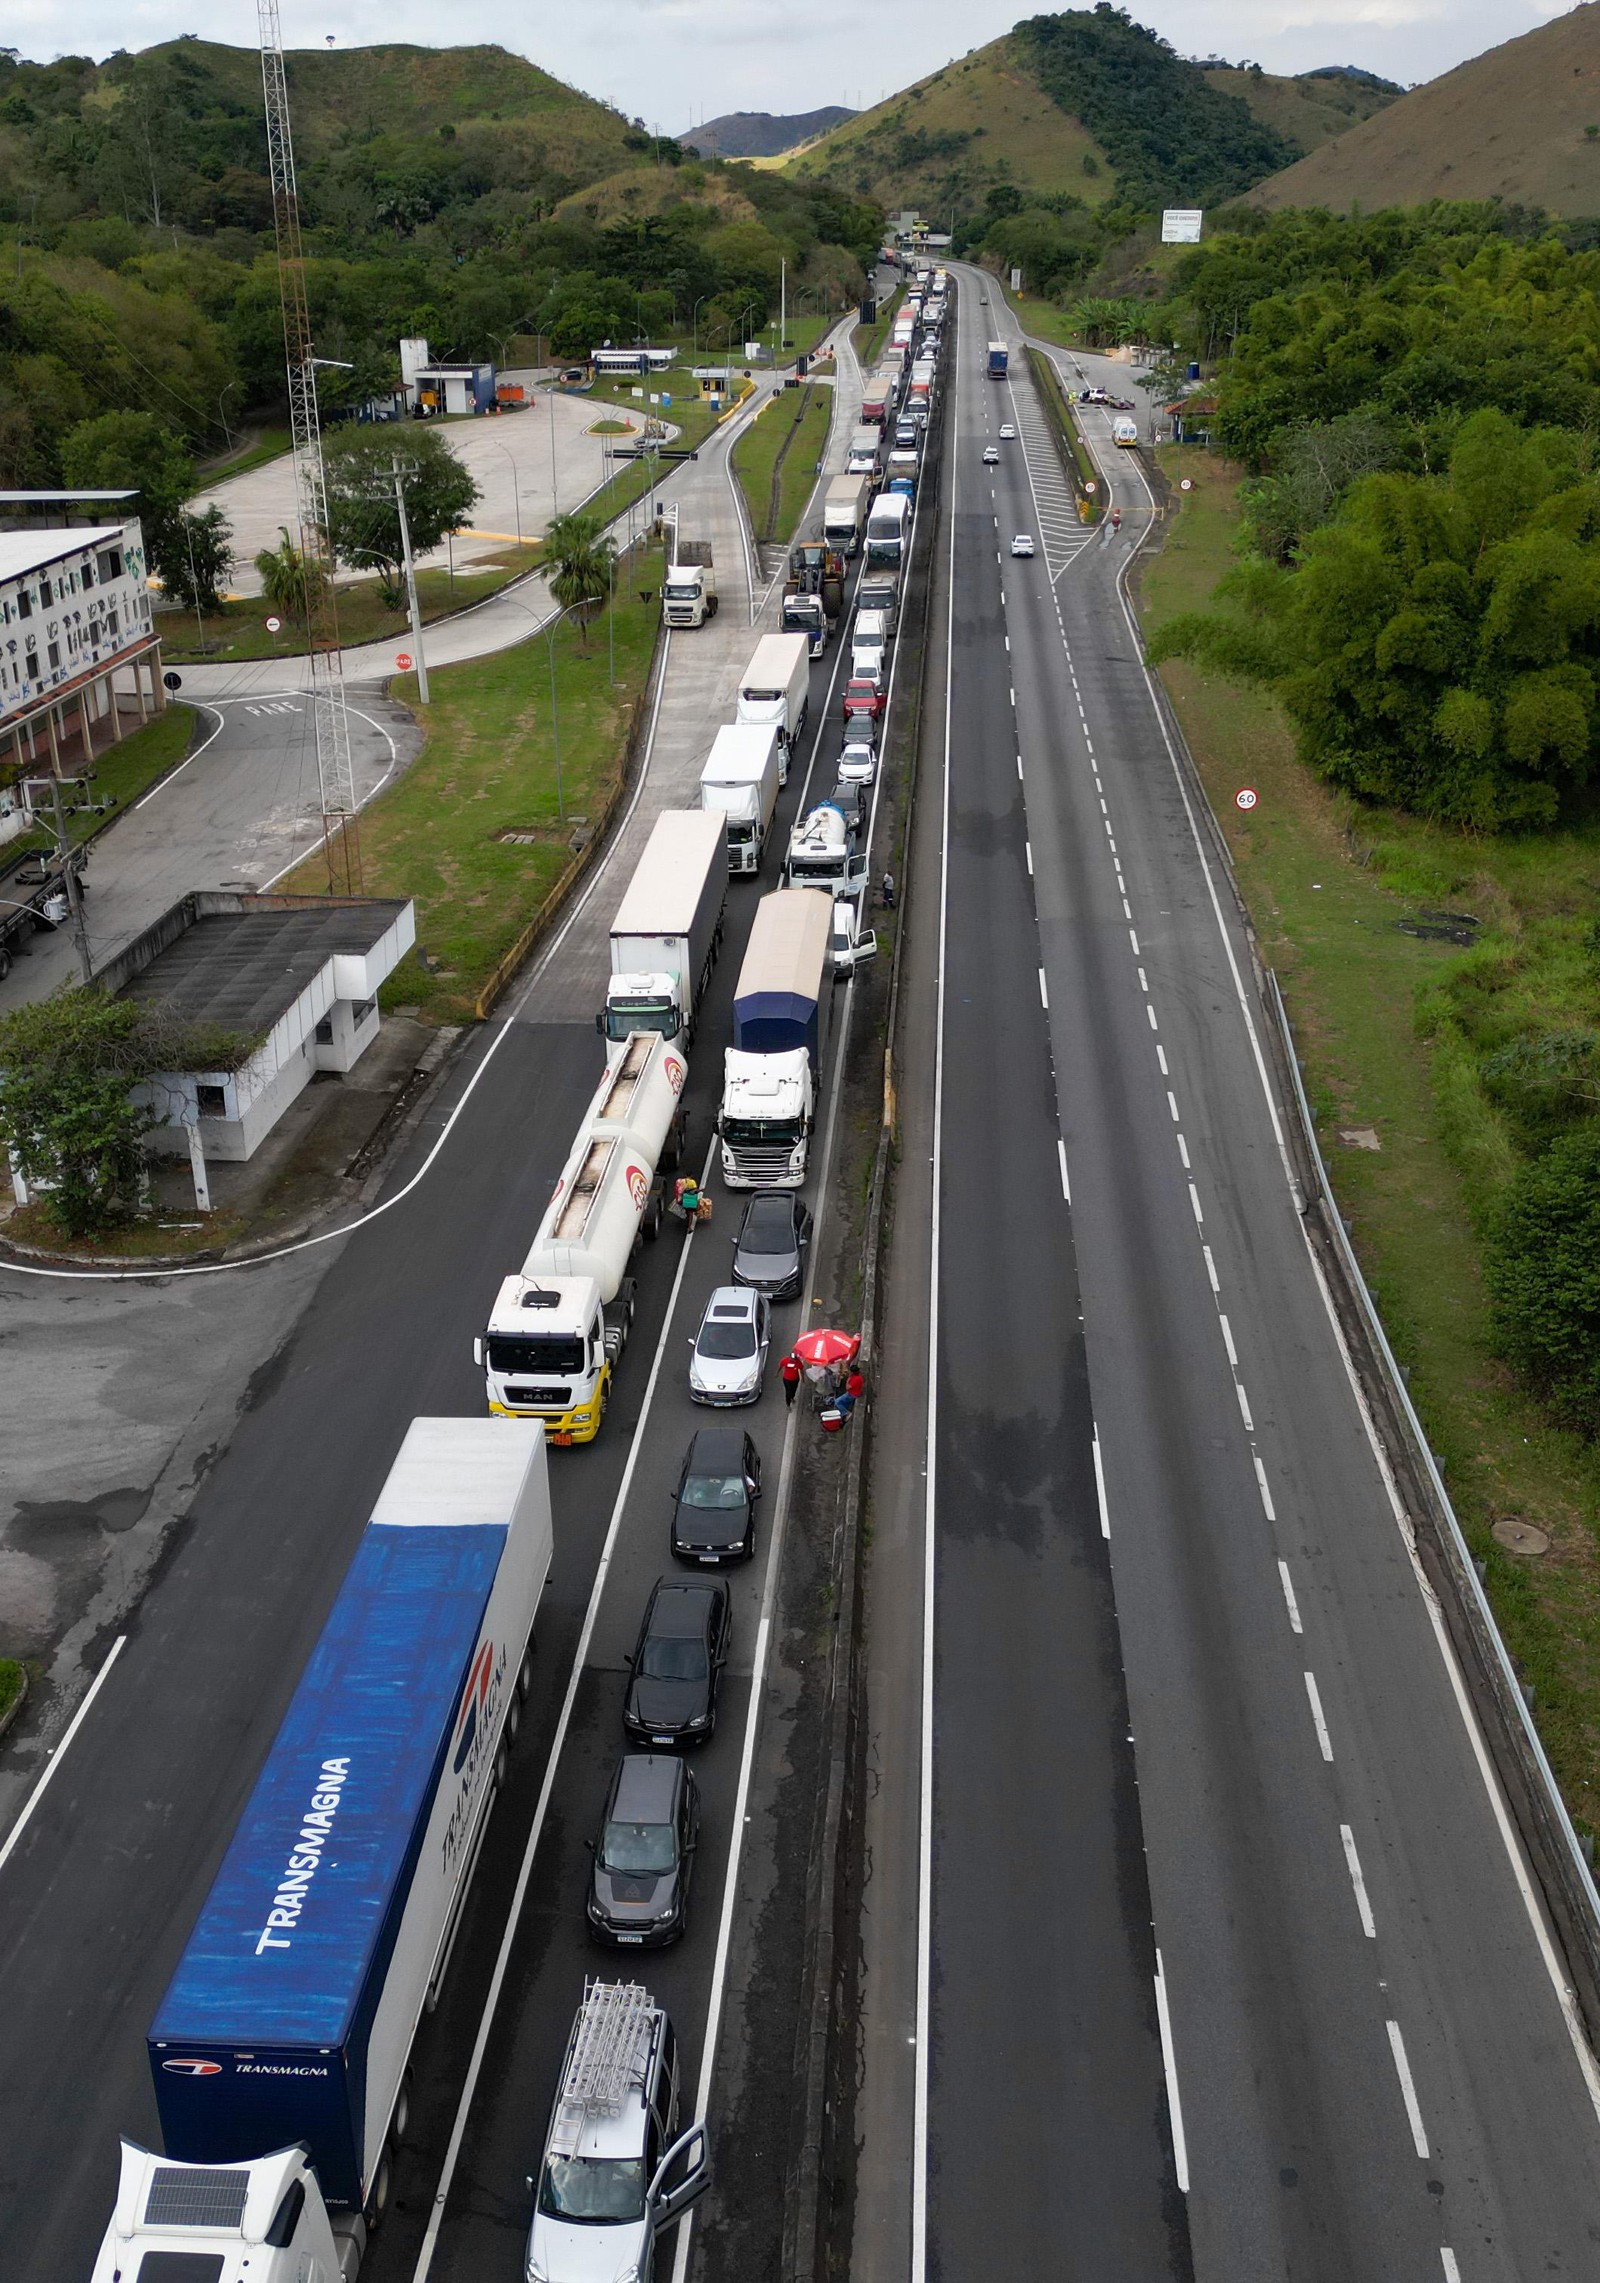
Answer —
1310 109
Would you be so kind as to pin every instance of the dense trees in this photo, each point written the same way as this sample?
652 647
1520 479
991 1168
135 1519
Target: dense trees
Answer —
1438 645
363 510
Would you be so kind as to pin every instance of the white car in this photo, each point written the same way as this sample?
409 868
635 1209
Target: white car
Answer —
1022 544
729 1358
858 763
991 455
1008 434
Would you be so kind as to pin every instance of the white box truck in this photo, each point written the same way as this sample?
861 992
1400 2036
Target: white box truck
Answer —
775 688
560 1324
667 932
844 512
279 2053
739 783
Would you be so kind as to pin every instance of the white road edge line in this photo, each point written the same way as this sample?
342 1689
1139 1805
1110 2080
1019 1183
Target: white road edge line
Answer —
201 705
919 2127
1408 2091
1169 2064
1348 1840
59 1752
480 2044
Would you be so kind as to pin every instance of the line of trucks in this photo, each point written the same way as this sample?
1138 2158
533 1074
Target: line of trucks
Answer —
280 2053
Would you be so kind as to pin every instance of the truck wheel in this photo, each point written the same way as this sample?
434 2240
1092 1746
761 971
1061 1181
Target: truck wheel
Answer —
501 1760
5 962
525 1676
402 2109
378 2200
513 1718
650 1226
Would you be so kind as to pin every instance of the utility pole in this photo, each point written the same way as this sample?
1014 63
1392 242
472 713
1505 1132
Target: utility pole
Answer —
783 304
69 875
411 585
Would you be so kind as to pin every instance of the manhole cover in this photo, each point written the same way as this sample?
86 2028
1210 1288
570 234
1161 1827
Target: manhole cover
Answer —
1521 1537
521 834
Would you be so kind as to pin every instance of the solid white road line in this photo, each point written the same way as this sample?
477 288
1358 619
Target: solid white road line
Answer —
1408 2091
1180 2147
508 1937
202 705
59 1752
1314 1695
1353 1860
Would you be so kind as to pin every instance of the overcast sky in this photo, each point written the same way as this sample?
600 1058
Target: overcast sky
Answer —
674 62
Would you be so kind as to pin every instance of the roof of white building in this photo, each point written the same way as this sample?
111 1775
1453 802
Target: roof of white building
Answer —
245 968
25 551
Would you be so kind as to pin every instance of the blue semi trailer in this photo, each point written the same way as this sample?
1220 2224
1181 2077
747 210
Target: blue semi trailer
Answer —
291 2015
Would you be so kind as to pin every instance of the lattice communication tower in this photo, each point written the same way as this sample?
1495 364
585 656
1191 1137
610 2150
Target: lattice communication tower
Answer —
335 776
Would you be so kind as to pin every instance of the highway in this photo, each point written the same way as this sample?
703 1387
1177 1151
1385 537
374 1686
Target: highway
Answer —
101 1892
1180 1704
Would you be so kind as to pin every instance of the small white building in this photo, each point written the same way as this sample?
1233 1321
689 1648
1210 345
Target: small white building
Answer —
80 661
298 974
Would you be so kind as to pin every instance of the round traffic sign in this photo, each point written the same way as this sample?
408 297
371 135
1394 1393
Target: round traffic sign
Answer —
172 681
1245 798
273 624
1089 484
1187 484
403 661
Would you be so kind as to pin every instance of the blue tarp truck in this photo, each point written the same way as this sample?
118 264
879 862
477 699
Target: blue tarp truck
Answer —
291 2015
999 358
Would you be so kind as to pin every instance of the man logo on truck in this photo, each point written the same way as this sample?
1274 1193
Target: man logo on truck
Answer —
472 1709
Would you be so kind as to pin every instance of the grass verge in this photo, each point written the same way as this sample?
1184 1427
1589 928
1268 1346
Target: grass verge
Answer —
12 1677
238 632
488 768
776 459
270 444
1384 1026
869 339
121 774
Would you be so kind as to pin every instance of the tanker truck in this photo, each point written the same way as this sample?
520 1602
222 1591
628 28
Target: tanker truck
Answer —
559 1325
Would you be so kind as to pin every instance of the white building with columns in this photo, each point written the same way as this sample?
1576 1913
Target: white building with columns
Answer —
80 662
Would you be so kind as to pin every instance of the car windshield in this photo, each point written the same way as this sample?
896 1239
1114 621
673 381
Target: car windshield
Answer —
714 1493
673 1660
724 1343
638 1847
767 1228
591 2189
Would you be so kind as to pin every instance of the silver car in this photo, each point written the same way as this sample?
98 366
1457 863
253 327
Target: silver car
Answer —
729 1352
858 763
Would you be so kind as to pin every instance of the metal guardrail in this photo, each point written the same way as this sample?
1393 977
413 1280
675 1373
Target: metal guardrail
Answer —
1535 1797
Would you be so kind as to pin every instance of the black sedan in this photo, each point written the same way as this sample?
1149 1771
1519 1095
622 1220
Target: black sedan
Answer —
639 1891
714 1505
769 1253
683 1645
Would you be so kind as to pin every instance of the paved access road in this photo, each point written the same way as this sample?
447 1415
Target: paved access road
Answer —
1374 2070
105 1884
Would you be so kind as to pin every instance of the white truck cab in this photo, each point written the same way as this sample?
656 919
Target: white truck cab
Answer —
261 2222
616 2172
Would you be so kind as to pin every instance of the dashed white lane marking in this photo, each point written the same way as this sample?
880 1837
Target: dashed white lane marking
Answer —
1194 1199
1266 1495
1027 850
1066 1185
1353 1860
1180 2146
1290 1602
1044 992
1452 2272
1408 2090
1100 1488
1314 1698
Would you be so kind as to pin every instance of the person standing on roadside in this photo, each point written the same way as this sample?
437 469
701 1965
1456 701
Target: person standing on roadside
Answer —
789 1373
888 891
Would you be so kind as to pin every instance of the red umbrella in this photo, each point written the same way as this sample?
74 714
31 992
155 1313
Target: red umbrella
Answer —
819 1351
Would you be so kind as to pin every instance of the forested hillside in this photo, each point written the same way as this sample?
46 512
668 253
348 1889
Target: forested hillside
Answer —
462 193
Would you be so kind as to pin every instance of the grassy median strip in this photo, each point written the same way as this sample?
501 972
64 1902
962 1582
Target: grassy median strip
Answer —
869 339
1077 466
238 632
776 459
1385 1022
472 830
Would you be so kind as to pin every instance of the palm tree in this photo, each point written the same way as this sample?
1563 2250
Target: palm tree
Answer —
290 580
581 565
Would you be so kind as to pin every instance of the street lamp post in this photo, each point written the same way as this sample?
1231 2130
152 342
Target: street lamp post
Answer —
516 493
550 632
694 327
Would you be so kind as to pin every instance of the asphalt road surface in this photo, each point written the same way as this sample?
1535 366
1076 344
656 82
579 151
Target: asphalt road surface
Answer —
108 1877
1373 2068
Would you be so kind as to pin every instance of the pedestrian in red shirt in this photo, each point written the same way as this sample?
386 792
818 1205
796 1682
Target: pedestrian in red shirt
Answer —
855 1385
789 1373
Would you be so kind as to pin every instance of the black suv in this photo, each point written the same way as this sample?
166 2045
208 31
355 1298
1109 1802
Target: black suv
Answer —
683 1645
714 1505
639 1891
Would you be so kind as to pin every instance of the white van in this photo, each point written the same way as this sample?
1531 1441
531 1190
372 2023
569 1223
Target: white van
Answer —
1124 430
